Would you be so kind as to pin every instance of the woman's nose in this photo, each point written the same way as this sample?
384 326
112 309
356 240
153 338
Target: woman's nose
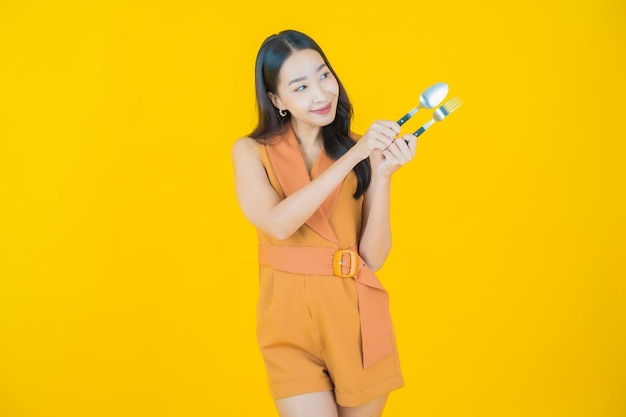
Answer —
318 93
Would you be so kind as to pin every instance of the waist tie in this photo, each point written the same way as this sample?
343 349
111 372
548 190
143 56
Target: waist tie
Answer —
373 299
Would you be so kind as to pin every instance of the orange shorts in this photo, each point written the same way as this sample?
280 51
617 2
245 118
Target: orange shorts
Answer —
309 334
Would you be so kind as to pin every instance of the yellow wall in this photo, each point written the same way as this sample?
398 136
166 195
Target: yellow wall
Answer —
128 279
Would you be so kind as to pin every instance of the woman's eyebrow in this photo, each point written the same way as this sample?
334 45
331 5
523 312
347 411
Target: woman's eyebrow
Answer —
297 80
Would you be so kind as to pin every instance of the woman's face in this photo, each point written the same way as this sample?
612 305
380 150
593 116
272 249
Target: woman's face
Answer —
307 89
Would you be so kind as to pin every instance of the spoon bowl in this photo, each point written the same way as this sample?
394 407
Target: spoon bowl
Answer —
429 99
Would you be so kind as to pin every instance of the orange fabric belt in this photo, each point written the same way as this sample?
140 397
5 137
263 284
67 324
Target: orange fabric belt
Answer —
373 299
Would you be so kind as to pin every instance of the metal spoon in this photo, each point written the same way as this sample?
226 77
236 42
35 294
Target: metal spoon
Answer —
430 98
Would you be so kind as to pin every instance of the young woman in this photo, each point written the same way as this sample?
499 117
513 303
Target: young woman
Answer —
319 199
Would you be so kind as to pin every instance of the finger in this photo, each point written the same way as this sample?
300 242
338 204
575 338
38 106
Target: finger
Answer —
399 156
387 127
411 142
403 146
383 141
387 156
391 124
384 131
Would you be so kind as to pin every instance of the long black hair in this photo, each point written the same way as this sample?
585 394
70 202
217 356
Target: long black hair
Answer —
272 54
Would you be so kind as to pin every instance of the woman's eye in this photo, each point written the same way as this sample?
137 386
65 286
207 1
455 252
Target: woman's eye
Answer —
324 75
301 88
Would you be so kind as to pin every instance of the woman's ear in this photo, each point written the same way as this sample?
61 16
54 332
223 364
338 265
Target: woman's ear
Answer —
275 100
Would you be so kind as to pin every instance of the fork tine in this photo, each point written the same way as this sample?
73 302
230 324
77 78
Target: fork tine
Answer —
449 109
452 105
453 102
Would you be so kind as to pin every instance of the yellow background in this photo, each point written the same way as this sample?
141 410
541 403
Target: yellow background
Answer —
128 277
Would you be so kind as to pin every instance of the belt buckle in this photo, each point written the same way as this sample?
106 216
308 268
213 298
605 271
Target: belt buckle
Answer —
338 262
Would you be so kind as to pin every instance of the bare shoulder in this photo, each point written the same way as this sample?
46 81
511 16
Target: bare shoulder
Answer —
245 147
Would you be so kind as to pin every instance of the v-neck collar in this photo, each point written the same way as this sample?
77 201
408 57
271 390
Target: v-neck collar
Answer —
290 168
316 163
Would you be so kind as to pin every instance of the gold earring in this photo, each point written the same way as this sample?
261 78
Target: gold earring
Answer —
282 112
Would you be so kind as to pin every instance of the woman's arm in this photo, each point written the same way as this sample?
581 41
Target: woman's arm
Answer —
281 218
375 241
263 207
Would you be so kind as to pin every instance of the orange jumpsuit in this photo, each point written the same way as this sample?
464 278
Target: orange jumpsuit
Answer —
309 322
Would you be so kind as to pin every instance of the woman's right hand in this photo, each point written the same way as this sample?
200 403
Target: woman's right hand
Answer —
378 137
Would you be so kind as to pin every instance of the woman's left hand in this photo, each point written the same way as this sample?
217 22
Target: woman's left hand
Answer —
397 154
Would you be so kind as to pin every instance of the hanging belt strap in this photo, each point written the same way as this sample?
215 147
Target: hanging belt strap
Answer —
345 263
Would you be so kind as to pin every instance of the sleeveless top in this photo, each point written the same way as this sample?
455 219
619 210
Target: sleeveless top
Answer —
335 226
341 210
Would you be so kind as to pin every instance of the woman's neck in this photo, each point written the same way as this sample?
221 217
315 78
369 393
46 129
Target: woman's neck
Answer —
306 135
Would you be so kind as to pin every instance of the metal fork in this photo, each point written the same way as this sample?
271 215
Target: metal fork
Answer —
440 114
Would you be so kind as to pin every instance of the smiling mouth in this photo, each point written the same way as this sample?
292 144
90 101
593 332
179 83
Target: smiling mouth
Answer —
324 109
